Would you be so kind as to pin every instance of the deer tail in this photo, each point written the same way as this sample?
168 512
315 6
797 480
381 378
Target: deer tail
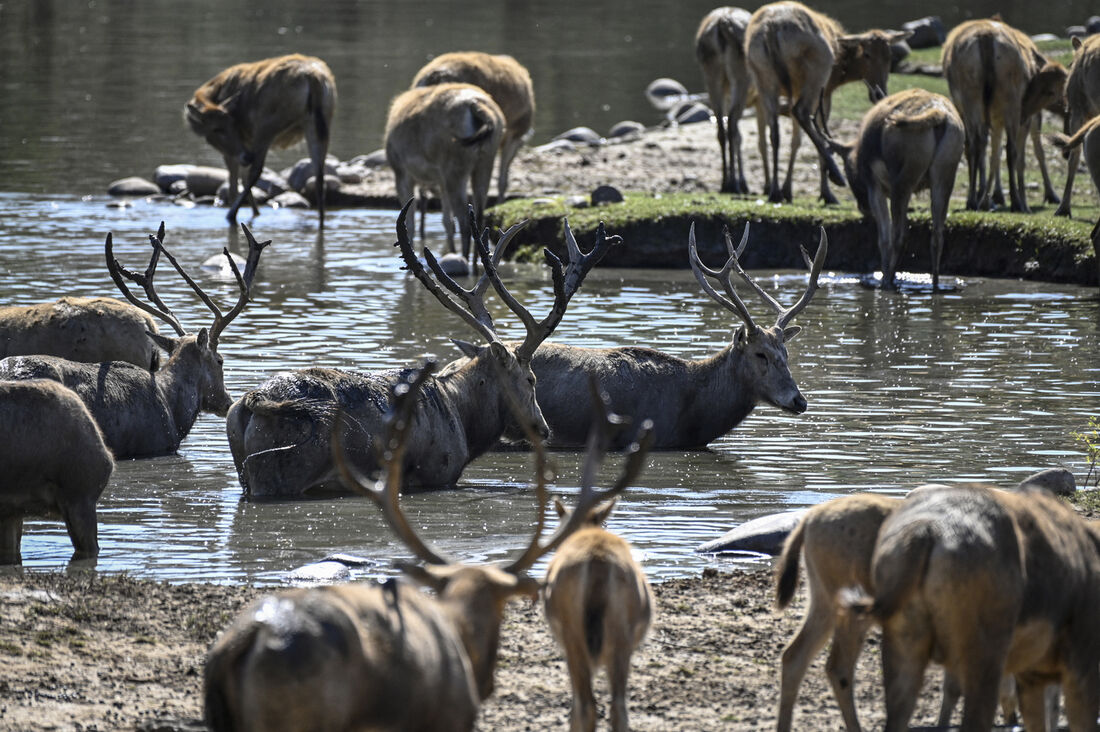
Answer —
899 568
595 607
989 80
315 102
786 571
483 123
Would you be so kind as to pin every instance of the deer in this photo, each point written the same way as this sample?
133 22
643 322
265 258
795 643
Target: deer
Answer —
249 108
1082 97
370 656
596 599
680 395
55 463
720 51
89 329
143 414
444 137
907 142
987 583
1087 138
999 82
504 79
796 52
280 433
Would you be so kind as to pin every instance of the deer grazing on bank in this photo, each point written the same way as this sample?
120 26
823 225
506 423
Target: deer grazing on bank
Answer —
999 82
1087 139
987 583
907 142
720 51
54 463
1082 103
444 137
280 433
691 403
361 656
89 329
795 52
249 108
502 78
597 599
143 415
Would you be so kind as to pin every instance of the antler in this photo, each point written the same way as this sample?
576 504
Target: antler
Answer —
145 281
785 316
385 492
244 283
604 427
734 301
565 284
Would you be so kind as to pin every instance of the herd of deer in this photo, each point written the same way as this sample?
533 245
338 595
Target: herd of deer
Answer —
988 583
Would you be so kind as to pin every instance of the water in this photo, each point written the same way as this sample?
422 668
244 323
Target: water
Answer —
982 384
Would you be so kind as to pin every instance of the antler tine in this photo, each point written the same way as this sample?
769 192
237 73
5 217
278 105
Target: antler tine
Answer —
565 285
734 301
145 281
385 493
787 315
255 248
735 257
603 429
475 314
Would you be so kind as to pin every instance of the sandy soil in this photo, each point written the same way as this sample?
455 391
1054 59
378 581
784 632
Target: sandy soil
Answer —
88 652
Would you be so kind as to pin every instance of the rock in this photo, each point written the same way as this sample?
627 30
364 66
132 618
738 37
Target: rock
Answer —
272 183
454 265
626 128
928 32
376 159
577 201
290 199
320 573
1092 25
302 171
351 560
133 186
166 176
177 187
258 194
764 535
899 51
584 135
1058 481
662 93
606 194
204 180
556 146
1045 37
332 185
218 266
690 113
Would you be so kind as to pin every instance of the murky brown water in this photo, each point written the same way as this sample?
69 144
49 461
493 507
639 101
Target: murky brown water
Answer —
983 384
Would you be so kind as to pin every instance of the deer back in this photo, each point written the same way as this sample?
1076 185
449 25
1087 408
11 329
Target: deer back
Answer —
784 41
1083 81
443 129
505 80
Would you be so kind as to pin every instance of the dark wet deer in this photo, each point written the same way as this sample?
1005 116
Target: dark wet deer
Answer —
54 462
690 402
143 414
369 656
280 433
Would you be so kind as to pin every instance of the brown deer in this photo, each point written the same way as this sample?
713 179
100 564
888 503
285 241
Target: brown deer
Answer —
720 51
987 582
89 329
249 108
1082 103
280 432
505 80
1087 138
362 656
908 141
444 137
691 403
143 415
998 81
54 463
597 600
795 52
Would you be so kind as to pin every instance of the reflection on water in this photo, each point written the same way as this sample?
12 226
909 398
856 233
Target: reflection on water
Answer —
982 384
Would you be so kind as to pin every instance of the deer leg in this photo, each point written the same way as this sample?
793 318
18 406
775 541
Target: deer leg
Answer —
899 220
796 142
11 535
952 690
455 202
404 186
802 112
80 521
318 149
774 194
1073 123
880 214
479 184
508 152
1035 130
739 85
841 666
1015 161
720 126
941 196
798 654
582 717
903 667
233 168
997 196
1082 692
618 671
762 145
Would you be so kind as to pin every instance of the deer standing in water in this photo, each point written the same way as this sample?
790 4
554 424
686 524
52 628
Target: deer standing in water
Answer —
280 433
249 108
143 414
368 656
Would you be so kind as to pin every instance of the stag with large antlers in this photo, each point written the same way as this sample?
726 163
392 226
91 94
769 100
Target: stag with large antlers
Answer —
691 402
280 433
368 656
143 415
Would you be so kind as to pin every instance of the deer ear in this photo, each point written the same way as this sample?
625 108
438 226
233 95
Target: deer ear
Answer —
469 350
740 337
166 342
425 575
791 332
600 513
203 338
1076 42
500 351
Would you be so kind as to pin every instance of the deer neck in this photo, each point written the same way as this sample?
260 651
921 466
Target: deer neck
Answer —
844 70
477 619
722 380
178 383
474 393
